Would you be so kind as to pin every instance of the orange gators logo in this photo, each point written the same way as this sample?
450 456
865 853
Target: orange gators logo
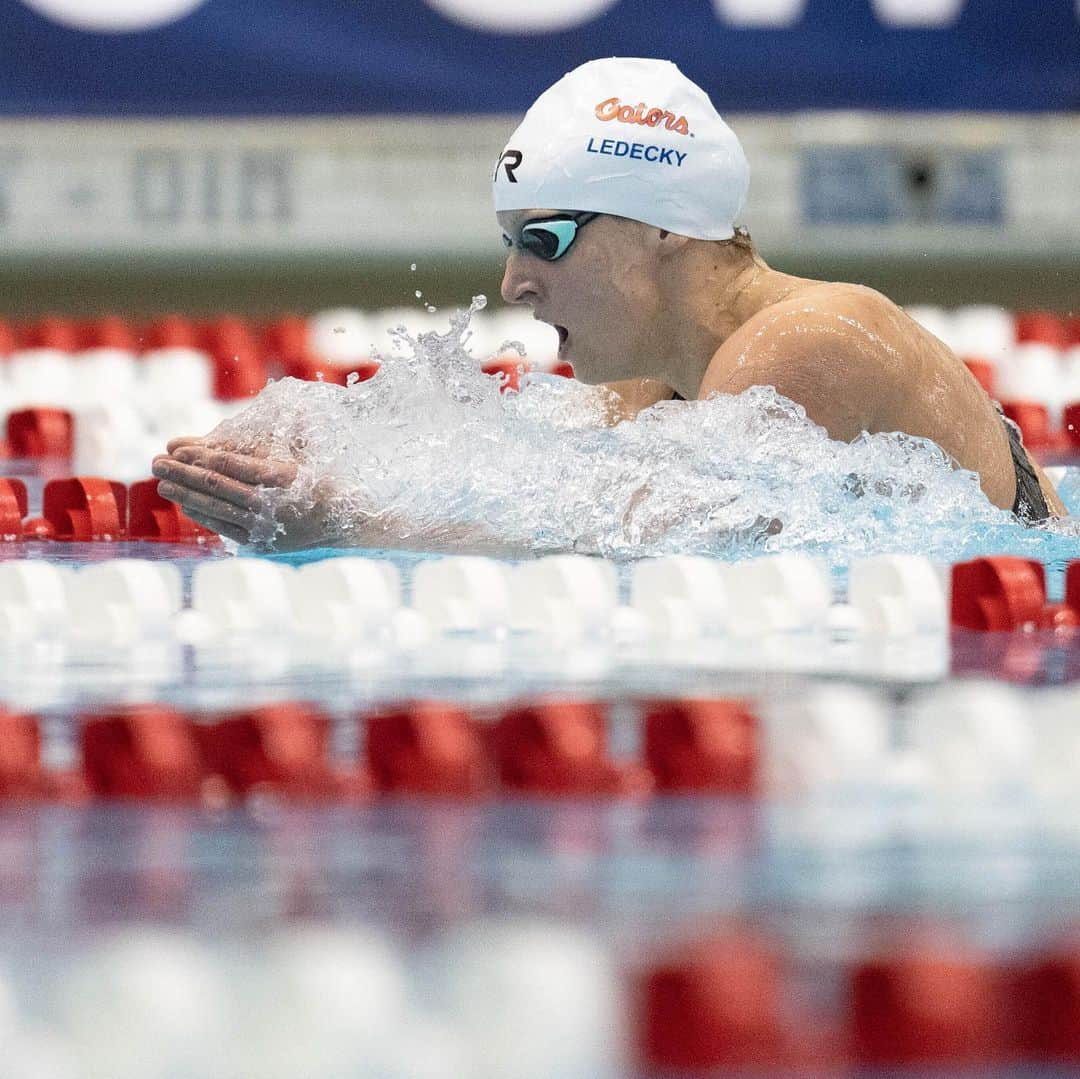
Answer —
614 109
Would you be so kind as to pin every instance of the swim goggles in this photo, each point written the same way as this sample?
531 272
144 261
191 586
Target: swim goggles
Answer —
551 237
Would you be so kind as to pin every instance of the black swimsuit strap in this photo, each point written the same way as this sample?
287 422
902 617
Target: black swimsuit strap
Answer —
1030 502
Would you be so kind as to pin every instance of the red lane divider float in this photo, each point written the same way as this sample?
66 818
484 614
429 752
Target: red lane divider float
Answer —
86 509
427 749
1005 593
1008 630
1071 425
146 753
283 749
713 1003
171 331
921 1000
49 332
1043 327
13 508
549 749
286 338
718 1005
239 367
40 432
1046 990
559 749
22 774
8 340
702 746
928 1004
151 517
110 331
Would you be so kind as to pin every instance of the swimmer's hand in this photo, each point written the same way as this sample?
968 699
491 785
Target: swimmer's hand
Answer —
229 490
225 490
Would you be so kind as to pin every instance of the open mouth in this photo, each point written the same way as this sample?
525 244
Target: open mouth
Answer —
563 335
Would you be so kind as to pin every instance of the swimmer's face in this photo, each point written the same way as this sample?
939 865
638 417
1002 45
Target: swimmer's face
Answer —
602 295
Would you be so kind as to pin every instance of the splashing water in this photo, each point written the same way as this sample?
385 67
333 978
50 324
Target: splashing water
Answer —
429 454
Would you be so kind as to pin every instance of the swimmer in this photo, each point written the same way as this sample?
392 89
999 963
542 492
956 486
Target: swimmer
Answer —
619 197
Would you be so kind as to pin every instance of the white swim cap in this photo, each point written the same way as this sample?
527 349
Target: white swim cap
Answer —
630 137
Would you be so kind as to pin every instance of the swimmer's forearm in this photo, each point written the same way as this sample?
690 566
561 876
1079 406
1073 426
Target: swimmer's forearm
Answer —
396 534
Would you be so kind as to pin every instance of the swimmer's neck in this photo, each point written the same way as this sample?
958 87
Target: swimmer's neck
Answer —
712 293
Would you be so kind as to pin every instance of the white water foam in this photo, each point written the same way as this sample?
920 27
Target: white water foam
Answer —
429 454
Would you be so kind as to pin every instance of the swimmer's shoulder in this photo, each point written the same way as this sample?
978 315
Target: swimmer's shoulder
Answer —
822 305
832 347
848 326
814 313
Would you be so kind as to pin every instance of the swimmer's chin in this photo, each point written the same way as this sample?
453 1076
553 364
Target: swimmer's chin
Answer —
568 354
592 370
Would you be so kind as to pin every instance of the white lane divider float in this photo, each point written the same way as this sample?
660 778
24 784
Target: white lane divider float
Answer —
788 593
33 601
830 739
971 738
40 377
345 597
684 596
532 1000
463 594
243 596
898 596
122 602
564 595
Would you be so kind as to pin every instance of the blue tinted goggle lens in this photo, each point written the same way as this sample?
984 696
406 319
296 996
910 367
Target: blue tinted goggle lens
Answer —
550 239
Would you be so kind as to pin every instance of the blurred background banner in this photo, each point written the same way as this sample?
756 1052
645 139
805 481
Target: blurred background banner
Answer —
334 57
190 153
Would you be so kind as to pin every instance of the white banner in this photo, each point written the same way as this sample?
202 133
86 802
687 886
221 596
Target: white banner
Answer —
412 186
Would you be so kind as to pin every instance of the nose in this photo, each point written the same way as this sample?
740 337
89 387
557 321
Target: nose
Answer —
519 285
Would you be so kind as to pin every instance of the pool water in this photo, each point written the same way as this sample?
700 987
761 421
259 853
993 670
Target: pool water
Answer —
820 873
504 665
433 451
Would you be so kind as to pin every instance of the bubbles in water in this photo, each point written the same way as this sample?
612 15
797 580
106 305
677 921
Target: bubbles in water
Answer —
429 454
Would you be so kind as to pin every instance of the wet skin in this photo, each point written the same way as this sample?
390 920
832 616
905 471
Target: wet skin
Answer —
704 318
647 313
219 487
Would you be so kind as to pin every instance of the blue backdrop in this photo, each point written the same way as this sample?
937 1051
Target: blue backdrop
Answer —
274 57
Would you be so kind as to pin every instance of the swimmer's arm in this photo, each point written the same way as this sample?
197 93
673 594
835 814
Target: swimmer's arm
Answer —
226 491
847 382
230 493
